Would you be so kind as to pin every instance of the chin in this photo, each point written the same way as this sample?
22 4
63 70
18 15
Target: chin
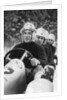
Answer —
40 43
27 41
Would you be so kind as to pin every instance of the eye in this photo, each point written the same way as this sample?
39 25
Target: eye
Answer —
38 37
24 33
41 38
29 32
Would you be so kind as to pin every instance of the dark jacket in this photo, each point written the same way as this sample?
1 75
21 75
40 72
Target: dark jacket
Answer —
50 51
36 50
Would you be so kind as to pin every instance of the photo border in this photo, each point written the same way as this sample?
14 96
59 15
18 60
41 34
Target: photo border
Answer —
59 67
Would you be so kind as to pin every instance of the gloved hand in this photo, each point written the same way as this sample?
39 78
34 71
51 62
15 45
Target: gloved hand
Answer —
35 62
47 67
49 72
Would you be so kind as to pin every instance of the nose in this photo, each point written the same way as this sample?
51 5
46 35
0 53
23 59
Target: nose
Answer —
27 34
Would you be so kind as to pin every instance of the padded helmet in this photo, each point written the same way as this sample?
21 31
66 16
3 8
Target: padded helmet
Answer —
51 37
28 26
42 32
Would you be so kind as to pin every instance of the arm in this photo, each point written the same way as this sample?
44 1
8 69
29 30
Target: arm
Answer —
42 56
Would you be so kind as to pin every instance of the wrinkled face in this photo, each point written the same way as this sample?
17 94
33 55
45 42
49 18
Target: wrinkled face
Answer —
27 36
40 40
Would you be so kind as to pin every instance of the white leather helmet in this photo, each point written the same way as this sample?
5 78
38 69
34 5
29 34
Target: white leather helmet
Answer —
28 26
42 32
51 37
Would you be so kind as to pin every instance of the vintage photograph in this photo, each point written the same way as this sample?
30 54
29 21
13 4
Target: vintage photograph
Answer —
30 51
30 60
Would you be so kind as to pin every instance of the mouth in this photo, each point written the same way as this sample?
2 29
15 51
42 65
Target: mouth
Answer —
27 39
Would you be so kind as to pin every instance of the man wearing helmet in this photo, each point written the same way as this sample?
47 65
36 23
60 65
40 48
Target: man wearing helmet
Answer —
51 64
53 44
36 50
46 40
50 48
41 35
41 38
51 38
38 59
51 41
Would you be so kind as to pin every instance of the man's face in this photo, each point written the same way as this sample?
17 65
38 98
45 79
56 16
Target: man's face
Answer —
50 41
40 40
27 36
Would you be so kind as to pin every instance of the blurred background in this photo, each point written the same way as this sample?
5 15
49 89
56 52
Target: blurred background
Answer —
14 21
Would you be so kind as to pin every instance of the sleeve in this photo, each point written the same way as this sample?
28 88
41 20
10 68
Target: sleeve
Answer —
16 46
42 56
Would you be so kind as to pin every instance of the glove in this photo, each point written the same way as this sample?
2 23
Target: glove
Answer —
49 72
35 62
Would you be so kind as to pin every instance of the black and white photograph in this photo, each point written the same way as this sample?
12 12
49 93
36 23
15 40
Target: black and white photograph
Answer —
30 50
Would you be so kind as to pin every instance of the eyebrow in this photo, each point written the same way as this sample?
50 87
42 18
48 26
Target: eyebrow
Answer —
27 33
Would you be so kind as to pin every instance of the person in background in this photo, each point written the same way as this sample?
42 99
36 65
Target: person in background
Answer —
43 38
50 47
40 35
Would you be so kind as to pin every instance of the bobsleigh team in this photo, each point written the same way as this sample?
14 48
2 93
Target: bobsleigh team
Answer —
43 46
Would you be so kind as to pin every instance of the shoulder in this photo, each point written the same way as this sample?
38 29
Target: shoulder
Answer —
18 45
37 45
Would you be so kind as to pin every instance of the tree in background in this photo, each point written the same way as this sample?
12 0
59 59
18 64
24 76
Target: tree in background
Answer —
14 21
